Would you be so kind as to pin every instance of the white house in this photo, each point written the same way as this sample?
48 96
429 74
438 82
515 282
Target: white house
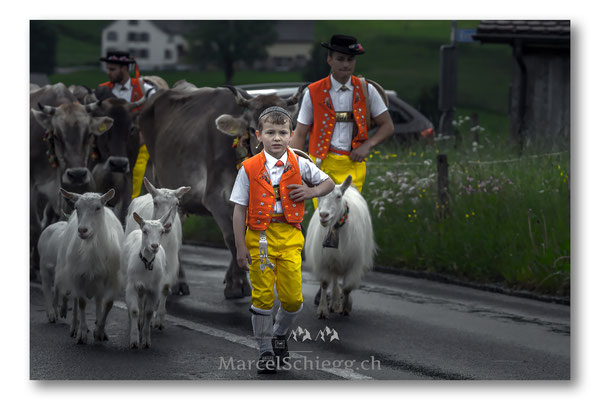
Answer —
154 44
292 50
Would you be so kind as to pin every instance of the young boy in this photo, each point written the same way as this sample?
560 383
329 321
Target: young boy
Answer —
269 201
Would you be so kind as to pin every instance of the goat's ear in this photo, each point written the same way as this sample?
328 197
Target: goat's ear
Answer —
182 190
167 219
69 196
107 196
149 187
346 184
138 219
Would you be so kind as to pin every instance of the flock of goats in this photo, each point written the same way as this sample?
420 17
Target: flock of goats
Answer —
104 251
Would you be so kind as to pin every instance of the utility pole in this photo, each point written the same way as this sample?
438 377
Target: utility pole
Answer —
448 82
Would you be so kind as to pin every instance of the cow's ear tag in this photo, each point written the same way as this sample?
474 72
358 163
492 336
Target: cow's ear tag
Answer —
102 127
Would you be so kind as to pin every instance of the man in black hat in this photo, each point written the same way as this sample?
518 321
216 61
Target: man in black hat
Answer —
119 81
131 90
336 112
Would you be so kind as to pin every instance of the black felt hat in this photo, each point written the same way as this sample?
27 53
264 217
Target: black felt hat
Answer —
344 44
118 57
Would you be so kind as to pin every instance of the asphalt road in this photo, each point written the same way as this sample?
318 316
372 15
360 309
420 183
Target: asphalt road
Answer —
400 328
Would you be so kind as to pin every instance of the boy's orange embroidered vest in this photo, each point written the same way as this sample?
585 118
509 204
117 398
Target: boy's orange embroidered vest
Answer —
262 195
136 90
324 116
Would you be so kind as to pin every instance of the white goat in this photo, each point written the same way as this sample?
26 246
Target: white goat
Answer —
48 245
143 263
88 261
345 213
152 206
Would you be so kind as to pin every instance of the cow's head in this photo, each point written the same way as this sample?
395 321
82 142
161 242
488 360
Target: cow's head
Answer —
70 127
113 145
245 125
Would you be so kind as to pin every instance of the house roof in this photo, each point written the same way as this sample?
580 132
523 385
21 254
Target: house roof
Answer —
543 32
173 27
295 31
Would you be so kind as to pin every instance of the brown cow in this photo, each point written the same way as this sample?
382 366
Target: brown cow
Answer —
60 130
183 136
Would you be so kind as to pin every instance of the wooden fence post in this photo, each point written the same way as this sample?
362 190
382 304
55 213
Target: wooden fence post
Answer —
443 203
475 127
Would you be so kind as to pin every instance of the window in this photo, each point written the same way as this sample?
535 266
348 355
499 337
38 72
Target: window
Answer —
132 37
168 54
143 53
144 37
112 36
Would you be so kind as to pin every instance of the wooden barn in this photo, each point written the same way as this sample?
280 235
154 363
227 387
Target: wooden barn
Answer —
539 99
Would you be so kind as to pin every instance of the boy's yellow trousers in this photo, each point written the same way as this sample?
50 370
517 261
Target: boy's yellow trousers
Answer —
285 244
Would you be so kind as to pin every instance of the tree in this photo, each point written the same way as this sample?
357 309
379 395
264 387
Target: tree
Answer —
42 47
226 42
317 67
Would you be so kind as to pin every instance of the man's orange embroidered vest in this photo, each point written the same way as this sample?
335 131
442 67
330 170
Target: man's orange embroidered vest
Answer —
136 90
262 195
324 116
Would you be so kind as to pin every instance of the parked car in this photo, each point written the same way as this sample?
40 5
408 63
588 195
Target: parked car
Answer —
409 123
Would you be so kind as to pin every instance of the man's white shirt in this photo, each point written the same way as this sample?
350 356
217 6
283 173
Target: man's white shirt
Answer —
341 137
124 91
309 172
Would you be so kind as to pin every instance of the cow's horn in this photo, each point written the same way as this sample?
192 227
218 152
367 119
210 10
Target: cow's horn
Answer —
294 99
138 103
92 106
239 99
47 109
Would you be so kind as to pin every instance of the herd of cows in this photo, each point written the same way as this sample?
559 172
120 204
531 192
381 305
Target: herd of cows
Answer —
89 239
87 141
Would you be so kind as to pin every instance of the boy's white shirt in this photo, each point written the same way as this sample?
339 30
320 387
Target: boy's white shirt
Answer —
309 172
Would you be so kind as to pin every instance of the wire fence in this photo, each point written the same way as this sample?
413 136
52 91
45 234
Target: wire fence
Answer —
430 162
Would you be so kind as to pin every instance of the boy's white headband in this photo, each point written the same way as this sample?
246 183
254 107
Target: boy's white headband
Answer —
275 109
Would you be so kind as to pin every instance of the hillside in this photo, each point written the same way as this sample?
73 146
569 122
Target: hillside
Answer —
401 55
